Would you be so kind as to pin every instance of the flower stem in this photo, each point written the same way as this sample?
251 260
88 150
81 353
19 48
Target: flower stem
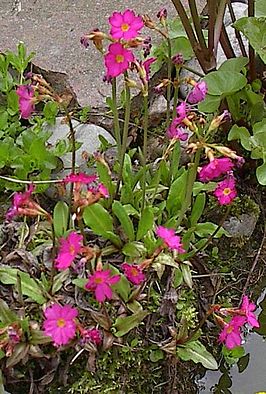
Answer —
116 119
144 150
169 72
192 174
73 160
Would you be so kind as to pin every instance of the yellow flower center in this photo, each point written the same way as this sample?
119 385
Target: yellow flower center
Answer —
227 191
98 280
119 58
72 250
229 329
61 323
124 27
134 272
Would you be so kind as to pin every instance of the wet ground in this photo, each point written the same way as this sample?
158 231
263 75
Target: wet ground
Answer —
52 29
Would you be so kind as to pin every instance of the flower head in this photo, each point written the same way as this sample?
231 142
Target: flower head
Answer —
181 110
169 237
26 100
230 334
68 250
147 66
147 45
178 59
125 25
92 335
80 178
225 191
198 93
247 308
133 273
117 60
60 323
175 132
215 168
100 283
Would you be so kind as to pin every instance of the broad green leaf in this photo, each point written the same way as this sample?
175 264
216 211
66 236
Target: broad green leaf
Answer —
242 134
186 272
3 120
202 187
156 355
105 177
58 280
125 324
6 315
60 218
50 111
37 337
178 278
224 82
197 352
255 30
236 64
146 222
166 259
80 282
122 287
261 174
19 353
260 8
210 104
198 208
126 223
29 287
206 229
134 249
176 194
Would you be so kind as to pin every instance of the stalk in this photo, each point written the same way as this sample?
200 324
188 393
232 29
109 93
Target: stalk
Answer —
169 72
116 119
73 161
144 151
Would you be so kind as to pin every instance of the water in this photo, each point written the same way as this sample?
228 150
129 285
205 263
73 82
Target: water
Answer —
249 375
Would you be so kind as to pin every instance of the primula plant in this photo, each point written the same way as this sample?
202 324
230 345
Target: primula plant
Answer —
113 266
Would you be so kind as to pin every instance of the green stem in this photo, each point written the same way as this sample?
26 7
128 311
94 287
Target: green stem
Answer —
73 161
169 77
196 23
144 151
192 174
116 119
193 71
125 133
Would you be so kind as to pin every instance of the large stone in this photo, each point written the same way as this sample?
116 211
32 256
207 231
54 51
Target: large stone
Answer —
242 226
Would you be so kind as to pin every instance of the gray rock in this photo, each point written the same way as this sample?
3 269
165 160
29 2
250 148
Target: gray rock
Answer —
87 134
157 110
242 226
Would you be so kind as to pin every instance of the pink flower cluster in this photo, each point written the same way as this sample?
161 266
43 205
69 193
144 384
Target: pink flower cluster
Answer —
198 93
231 331
170 239
133 273
69 248
100 283
26 100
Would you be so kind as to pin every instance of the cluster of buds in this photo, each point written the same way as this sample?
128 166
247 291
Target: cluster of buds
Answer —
10 336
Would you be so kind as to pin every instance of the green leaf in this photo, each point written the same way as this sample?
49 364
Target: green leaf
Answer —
6 315
29 287
176 194
50 111
255 30
134 249
122 287
126 223
12 102
58 280
19 353
224 82
156 355
178 278
38 337
260 8
3 120
197 352
206 229
236 64
60 218
125 324
210 104
203 187
166 259
261 174
186 272
105 177
242 134
80 282
198 208
146 222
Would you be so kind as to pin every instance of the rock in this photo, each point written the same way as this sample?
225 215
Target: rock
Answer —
87 134
157 110
242 226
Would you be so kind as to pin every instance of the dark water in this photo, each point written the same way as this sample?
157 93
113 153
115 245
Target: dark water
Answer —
249 375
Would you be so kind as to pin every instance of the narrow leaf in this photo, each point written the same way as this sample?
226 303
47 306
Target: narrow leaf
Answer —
124 219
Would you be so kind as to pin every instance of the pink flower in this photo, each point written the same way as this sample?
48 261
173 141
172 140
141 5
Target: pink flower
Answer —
225 191
68 250
247 308
178 59
133 273
117 60
147 66
26 100
175 132
60 324
170 239
231 335
181 111
100 282
126 25
80 178
93 335
198 93
215 168
99 189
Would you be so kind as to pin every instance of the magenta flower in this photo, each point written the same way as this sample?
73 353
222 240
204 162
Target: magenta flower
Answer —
225 191
126 25
181 110
230 334
80 178
117 60
133 273
247 308
99 189
175 132
169 237
60 323
26 100
198 93
69 248
215 168
93 335
147 66
178 59
100 283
